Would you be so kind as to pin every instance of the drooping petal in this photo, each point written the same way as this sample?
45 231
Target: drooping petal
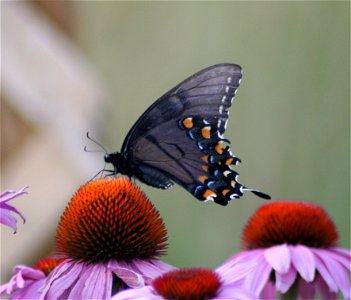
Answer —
284 281
256 280
6 217
129 275
337 271
278 257
341 257
325 274
32 291
63 279
144 293
268 292
306 290
232 292
96 283
324 289
303 261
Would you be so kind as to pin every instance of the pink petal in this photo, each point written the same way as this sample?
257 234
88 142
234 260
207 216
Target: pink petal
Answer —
269 292
345 252
127 273
144 293
324 273
258 278
63 279
278 257
337 271
306 290
303 261
339 256
95 286
8 219
285 281
324 289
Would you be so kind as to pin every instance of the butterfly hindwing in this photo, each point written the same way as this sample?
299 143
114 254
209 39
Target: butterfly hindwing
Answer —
180 139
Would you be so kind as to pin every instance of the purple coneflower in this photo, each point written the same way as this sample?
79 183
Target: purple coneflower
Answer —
27 282
110 235
294 247
192 284
6 210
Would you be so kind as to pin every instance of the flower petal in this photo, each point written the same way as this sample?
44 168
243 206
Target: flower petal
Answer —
303 261
258 278
325 275
324 290
268 292
144 293
128 274
337 271
285 281
306 290
95 287
278 257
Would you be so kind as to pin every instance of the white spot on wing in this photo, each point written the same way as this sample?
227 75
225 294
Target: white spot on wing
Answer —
229 80
223 98
221 109
227 89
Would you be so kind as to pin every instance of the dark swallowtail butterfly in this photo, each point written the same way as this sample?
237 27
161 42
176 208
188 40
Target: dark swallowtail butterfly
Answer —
179 138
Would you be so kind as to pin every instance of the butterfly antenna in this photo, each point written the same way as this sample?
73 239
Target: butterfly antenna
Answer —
95 142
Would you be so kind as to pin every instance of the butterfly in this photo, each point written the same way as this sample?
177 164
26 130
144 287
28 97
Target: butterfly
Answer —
179 139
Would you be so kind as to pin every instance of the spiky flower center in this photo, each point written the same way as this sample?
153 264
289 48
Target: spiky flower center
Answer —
47 264
188 284
110 218
291 223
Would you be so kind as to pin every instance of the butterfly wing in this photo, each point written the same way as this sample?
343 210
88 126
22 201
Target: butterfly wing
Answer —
180 137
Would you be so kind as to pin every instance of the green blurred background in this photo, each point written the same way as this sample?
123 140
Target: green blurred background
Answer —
289 123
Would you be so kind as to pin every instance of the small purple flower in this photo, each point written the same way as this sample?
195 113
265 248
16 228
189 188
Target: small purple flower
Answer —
110 235
195 283
6 210
27 282
293 248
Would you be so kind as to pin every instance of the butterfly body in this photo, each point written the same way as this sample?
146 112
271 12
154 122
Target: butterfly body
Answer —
179 138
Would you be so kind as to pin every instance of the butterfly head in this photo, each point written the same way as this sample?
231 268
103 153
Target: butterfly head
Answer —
115 159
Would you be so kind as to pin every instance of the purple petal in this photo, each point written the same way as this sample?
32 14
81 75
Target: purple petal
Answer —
126 273
144 293
339 256
337 271
303 261
6 217
151 268
325 292
285 281
344 252
278 257
95 287
268 292
231 292
258 278
306 290
66 275
32 291
324 273
234 272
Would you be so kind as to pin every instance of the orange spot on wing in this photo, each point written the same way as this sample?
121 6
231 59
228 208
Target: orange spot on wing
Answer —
205 168
202 178
206 132
225 192
219 148
188 123
229 161
208 194
205 158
